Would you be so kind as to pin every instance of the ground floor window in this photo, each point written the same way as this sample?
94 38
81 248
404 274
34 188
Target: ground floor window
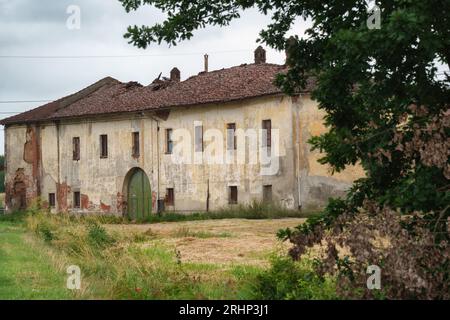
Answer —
76 199
51 200
170 197
267 193
233 195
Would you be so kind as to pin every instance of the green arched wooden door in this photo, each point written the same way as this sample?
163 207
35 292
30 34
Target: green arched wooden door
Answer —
139 196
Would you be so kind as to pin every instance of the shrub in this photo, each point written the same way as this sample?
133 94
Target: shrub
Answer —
45 232
292 280
97 236
413 259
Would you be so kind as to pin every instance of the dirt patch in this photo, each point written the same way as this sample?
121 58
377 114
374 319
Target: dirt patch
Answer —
247 241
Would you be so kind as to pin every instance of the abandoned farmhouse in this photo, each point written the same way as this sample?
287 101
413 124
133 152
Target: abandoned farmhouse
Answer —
114 147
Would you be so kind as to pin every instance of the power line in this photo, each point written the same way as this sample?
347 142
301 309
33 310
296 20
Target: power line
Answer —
114 56
24 101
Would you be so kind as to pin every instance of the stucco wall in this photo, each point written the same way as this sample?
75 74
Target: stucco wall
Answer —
299 181
317 183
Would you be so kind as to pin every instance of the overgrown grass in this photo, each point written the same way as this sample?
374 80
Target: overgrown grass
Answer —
25 272
186 232
128 266
136 265
293 280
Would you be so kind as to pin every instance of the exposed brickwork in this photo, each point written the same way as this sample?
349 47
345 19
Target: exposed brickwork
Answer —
84 201
105 208
61 193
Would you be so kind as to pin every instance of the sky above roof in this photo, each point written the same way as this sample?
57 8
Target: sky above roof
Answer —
38 29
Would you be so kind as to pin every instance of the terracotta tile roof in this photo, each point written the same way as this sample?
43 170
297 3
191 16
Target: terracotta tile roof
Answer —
112 96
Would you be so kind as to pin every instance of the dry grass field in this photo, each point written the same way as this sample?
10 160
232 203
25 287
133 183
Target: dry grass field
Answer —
226 241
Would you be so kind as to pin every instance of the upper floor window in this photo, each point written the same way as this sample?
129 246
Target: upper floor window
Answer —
267 133
103 146
199 138
169 141
136 144
231 136
76 148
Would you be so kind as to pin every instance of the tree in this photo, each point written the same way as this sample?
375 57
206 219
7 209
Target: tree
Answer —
387 104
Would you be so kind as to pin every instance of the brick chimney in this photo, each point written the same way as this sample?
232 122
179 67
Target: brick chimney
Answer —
260 55
206 63
175 75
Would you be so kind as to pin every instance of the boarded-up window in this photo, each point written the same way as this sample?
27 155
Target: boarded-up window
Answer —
136 148
51 200
231 136
233 195
76 199
267 193
169 142
267 133
170 197
76 148
199 138
103 146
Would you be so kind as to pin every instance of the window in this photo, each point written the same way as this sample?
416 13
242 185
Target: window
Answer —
169 142
231 138
76 199
199 138
267 133
51 200
170 197
135 151
76 148
233 195
267 193
103 146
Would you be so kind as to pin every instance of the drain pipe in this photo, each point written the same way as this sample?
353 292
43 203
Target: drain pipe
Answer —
158 163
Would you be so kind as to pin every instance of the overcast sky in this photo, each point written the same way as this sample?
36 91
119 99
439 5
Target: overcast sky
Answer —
39 28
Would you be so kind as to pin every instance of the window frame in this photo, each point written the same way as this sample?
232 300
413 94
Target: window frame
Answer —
170 197
198 138
76 152
265 188
267 133
231 127
52 200
77 200
136 144
232 201
103 146
169 141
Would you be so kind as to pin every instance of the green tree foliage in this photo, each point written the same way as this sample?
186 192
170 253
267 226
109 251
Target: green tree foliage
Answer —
387 106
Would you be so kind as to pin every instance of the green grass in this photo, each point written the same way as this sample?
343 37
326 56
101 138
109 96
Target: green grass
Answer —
26 273
186 232
114 265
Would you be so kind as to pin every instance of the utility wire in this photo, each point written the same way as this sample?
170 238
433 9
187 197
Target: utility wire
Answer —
23 101
115 56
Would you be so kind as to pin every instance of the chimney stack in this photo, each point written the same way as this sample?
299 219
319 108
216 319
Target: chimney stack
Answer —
290 45
260 55
206 63
175 75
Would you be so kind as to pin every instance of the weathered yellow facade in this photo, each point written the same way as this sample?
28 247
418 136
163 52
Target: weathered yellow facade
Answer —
39 158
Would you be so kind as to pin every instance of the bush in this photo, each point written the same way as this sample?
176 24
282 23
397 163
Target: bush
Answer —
291 280
97 236
45 232
412 258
